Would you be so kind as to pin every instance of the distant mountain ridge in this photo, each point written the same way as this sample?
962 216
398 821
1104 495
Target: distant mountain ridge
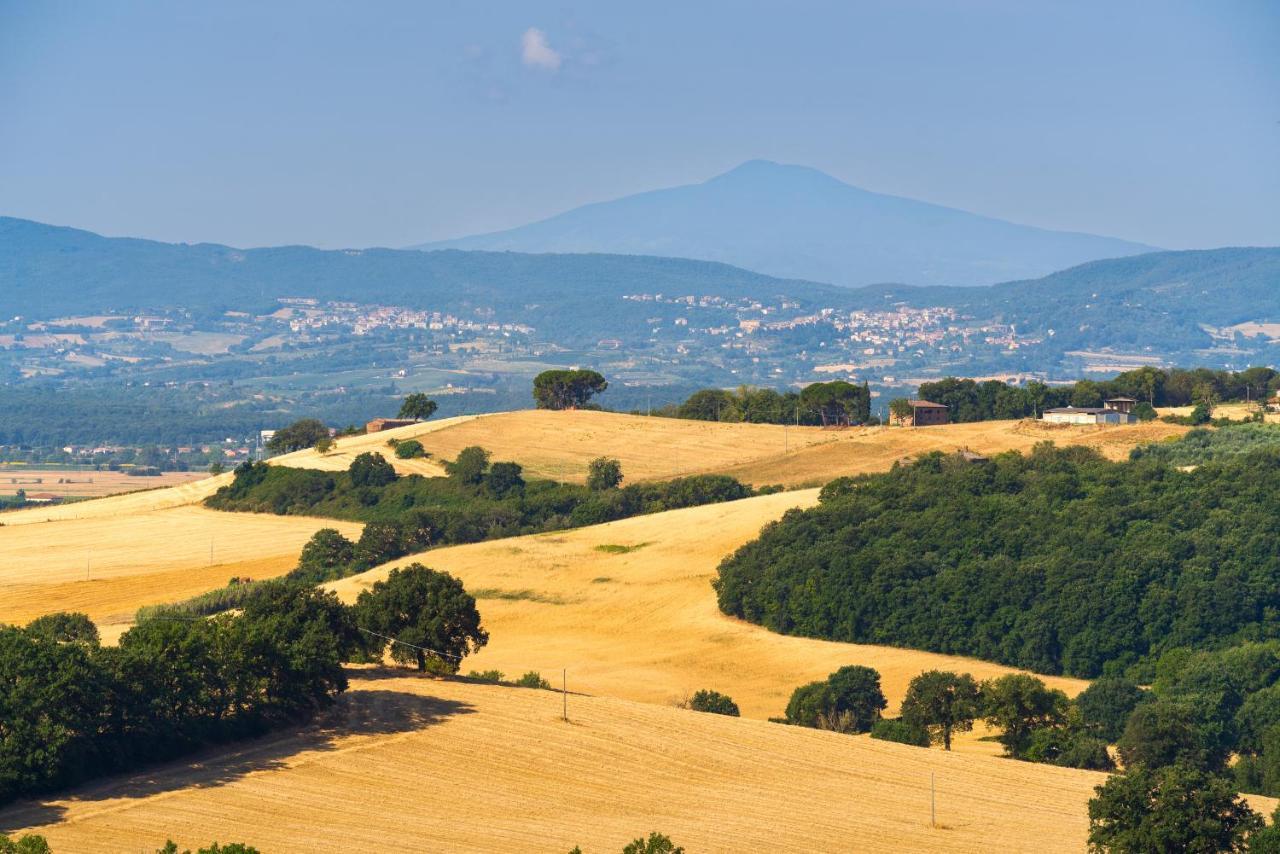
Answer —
797 222
1160 301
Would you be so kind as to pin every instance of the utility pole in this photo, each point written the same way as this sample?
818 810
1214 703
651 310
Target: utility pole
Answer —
564 694
933 802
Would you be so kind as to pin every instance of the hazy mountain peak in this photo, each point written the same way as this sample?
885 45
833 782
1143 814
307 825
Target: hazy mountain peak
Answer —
799 222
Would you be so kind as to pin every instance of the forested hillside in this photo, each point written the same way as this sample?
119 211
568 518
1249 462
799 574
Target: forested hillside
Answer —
1059 561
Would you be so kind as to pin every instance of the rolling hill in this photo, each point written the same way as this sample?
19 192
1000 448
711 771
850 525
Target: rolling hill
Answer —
1160 302
405 764
797 222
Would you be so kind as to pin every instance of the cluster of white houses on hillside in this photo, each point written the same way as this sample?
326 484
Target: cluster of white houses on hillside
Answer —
1116 410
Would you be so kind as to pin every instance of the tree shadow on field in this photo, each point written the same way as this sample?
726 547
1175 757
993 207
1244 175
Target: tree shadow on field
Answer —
352 722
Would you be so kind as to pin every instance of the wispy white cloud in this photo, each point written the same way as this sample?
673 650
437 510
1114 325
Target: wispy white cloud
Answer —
537 52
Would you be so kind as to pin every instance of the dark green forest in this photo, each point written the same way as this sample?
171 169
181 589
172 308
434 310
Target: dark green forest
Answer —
1058 561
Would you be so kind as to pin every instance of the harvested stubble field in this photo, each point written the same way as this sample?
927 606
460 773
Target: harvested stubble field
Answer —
876 449
347 448
415 764
85 484
107 566
627 607
559 445
643 624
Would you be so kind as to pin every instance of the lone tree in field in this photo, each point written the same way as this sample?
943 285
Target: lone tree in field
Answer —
417 406
567 389
298 435
429 612
410 449
603 473
942 703
1175 808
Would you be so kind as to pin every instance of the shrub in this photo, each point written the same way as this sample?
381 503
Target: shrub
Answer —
486 675
300 434
410 449
532 679
713 702
27 844
896 729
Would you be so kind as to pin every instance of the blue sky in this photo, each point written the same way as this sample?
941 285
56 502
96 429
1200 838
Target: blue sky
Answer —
390 123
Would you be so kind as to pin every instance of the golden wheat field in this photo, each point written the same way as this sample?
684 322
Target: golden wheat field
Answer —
559 445
85 484
406 763
644 625
347 448
107 566
413 764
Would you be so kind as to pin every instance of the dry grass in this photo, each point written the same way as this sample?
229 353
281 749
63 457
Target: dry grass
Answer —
652 632
119 507
410 764
85 484
142 558
347 448
559 445
876 449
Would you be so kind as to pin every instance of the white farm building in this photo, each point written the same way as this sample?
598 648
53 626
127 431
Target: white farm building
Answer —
1118 410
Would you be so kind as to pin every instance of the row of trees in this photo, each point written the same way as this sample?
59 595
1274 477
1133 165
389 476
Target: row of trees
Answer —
1035 722
71 709
480 499
1057 561
836 403
970 400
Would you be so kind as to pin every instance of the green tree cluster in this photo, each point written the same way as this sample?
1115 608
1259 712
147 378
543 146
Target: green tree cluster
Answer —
74 710
849 700
561 389
1057 561
304 433
829 403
